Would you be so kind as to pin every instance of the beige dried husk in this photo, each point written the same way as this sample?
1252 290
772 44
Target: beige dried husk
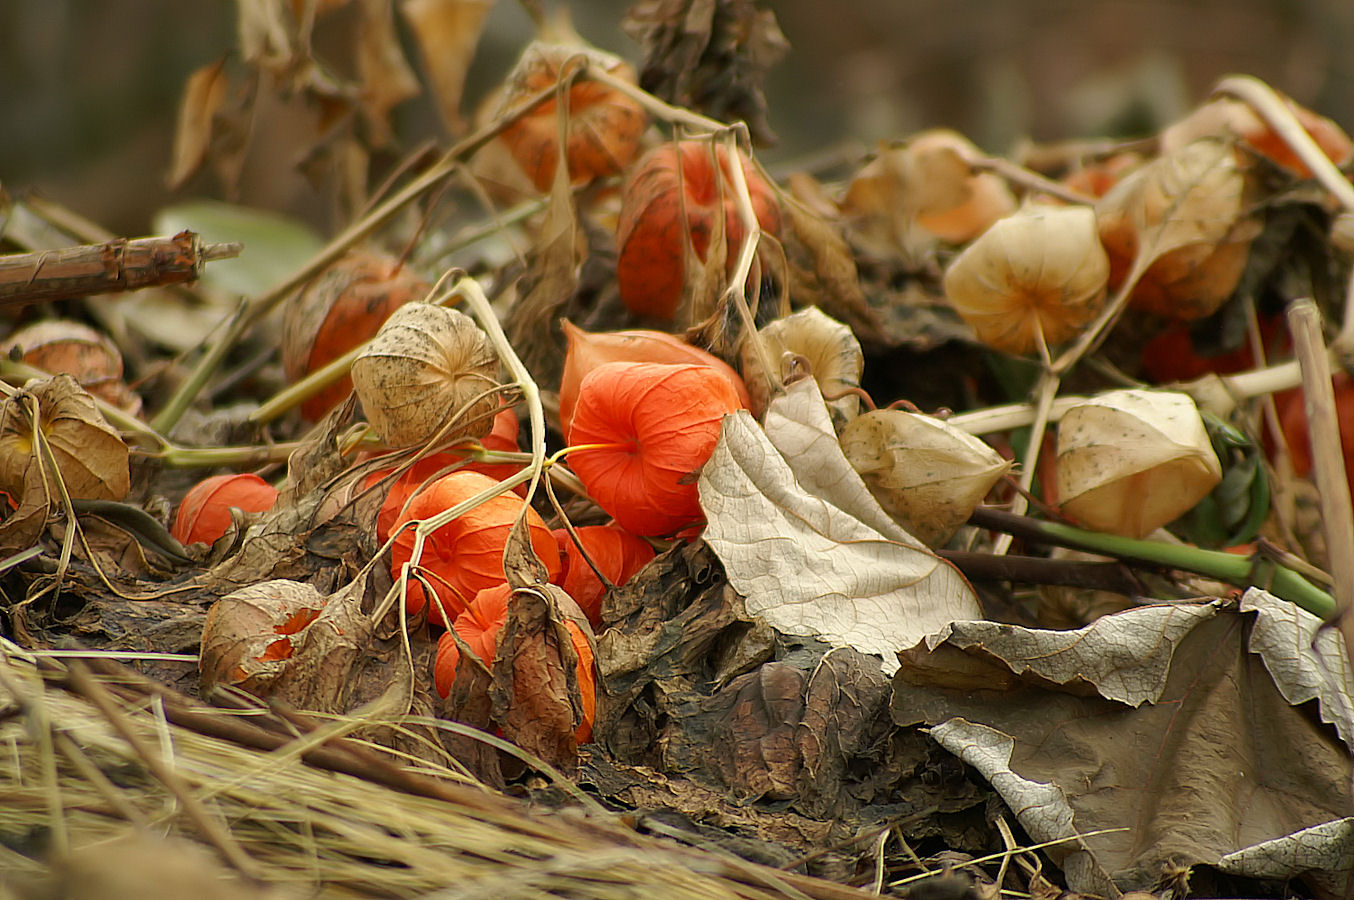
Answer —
1131 461
1187 214
829 348
927 474
246 638
429 372
1039 274
67 772
90 455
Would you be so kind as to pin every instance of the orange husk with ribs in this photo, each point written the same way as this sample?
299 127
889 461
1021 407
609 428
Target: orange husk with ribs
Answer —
642 432
676 194
617 553
464 556
586 350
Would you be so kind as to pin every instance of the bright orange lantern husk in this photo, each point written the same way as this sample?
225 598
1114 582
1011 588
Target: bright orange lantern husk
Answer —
204 514
648 428
465 556
617 553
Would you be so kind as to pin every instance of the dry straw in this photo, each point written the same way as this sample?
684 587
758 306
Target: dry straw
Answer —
87 755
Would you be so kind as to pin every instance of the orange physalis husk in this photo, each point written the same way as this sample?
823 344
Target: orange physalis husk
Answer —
342 307
464 556
603 128
665 197
589 349
204 514
502 438
249 634
655 425
89 356
617 553
479 626
975 199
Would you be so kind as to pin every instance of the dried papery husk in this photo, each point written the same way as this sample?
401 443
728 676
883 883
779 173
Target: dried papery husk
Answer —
91 456
480 625
928 475
73 348
940 165
247 638
339 309
809 336
603 128
1131 461
1040 271
425 366
586 350
1188 213
1225 117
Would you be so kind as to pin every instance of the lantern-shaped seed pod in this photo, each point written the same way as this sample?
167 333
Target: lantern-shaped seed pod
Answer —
1037 274
93 461
615 551
972 202
429 372
829 348
464 556
589 349
603 128
1189 212
1131 461
250 635
204 514
649 428
342 307
73 348
928 475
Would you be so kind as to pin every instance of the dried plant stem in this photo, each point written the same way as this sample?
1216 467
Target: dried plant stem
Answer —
210 828
257 307
1239 570
1261 98
1328 460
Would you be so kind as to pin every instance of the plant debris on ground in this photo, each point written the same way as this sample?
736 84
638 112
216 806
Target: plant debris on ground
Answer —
599 513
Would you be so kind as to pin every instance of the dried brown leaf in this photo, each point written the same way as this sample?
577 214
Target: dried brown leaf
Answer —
535 687
1172 726
386 78
89 453
447 32
203 96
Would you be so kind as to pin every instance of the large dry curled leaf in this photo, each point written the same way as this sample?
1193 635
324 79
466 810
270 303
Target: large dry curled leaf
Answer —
804 541
1172 726
447 32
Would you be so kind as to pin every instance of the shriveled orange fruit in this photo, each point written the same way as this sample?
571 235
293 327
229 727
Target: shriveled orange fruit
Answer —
204 514
653 427
464 556
341 308
676 189
616 552
603 127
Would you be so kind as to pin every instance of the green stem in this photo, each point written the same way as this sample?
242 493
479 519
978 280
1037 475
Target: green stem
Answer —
1239 570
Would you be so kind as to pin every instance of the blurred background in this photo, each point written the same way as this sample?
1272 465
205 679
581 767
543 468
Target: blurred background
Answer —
90 88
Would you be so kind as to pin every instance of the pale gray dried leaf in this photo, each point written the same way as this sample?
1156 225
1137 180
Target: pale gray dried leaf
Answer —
1323 853
1306 659
1213 759
805 543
